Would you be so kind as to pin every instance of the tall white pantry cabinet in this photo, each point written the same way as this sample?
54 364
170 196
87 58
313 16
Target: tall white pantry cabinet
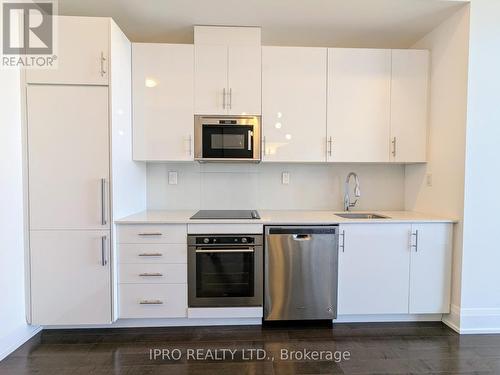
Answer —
79 134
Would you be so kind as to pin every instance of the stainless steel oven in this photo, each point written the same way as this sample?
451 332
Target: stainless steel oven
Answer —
225 270
227 138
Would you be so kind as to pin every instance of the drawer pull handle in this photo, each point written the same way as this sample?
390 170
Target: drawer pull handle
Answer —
151 234
151 255
147 274
151 302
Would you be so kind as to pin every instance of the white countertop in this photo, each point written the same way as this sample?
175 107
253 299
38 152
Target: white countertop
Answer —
281 217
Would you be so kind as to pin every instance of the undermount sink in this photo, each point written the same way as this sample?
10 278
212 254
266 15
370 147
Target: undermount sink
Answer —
357 215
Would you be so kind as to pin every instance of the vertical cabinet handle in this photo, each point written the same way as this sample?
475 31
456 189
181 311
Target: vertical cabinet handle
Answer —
224 98
104 257
394 144
230 98
250 134
104 220
330 142
415 246
342 246
103 60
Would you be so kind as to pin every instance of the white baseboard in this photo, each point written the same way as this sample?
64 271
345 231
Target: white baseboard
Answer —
388 318
461 320
473 320
16 339
171 322
217 320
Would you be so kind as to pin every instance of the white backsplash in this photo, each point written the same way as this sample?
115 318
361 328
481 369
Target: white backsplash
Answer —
249 186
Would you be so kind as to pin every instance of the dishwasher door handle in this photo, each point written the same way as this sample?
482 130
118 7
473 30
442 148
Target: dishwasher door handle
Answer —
301 237
296 231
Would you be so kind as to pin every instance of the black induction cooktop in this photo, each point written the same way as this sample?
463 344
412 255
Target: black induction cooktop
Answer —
226 214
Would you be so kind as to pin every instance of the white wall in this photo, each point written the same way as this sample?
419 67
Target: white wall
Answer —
480 307
312 186
448 44
13 328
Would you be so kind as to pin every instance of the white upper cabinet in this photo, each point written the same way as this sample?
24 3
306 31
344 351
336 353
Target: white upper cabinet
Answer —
430 271
373 269
162 83
227 70
409 88
82 49
294 104
68 153
210 84
359 94
244 80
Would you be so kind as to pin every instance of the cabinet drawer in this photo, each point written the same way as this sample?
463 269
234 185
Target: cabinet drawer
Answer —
153 300
152 253
150 233
153 273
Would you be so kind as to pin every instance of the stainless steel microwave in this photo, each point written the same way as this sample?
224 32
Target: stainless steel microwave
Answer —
227 138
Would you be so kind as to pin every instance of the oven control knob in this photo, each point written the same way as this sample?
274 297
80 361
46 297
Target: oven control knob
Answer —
244 240
206 240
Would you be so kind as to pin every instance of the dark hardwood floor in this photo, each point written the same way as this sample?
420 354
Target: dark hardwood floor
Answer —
382 348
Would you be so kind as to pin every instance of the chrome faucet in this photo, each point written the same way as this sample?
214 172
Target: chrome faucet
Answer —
357 192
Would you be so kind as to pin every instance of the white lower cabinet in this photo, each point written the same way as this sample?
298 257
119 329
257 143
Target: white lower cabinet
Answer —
142 234
430 268
152 253
153 273
373 269
152 270
70 277
153 300
394 268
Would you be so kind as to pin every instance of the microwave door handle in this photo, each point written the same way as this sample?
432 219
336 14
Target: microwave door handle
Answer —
250 133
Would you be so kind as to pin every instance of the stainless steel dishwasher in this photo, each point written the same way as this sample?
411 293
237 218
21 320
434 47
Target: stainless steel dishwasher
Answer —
300 272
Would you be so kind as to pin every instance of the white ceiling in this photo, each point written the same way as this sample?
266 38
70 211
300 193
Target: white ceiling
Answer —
354 23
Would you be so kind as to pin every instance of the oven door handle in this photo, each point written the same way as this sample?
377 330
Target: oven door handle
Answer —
249 250
250 135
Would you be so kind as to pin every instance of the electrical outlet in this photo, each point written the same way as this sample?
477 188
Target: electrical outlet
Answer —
172 178
428 179
285 178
